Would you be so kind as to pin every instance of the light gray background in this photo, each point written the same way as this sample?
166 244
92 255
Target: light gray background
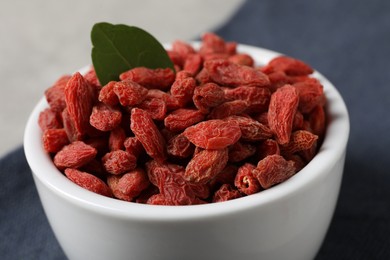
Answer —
42 40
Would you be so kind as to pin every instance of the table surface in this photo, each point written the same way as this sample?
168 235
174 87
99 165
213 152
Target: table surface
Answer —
347 41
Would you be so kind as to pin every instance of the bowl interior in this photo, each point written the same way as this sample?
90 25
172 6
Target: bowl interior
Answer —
331 150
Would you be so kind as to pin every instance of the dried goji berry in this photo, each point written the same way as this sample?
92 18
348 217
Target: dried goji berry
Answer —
245 181
169 179
251 129
289 65
129 185
156 199
92 78
79 99
180 146
146 194
183 89
212 43
277 79
272 170
133 146
241 151
299 121
175 58
193 63
74 155
231 47
226 176
95 167
55 95
317 121
156 107
213 134
130 93
54 140
88 181
150 78
257 98
227 73
116 139
229 108
267 147
203 77
183 75
205 165
99 143
105 118
158 173
182 118
310 94
148 134
48 119
300 140
226 192
107 94
119 161
183 49
282 108
262 118
207 96
242 59
169 100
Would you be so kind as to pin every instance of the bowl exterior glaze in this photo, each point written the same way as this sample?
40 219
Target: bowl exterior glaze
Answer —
288 221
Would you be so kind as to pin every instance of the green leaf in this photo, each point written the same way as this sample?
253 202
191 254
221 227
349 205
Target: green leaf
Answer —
118 48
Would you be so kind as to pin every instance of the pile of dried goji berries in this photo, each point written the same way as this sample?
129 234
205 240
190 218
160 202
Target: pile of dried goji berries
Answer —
217 129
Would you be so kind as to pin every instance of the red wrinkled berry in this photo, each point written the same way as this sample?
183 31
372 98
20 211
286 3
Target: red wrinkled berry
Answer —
74 155
182 118
229 108
48 119
116 139
213 134
207 96
180 146
107 94
241 151
310 94
183 89
129 185
281 112
226 192
55 95
54 140
130 93
105 118
251 129
119 161
88 181
148 134
227 73
272 170
150 78
156 107
205 165
245 181
290 66
79 98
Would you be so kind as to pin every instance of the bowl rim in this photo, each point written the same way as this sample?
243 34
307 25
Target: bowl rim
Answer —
331 150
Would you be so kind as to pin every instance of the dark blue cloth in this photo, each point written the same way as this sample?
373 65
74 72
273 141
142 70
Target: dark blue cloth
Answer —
349 42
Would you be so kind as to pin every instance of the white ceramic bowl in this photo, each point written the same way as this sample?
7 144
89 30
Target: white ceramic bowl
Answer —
288 221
